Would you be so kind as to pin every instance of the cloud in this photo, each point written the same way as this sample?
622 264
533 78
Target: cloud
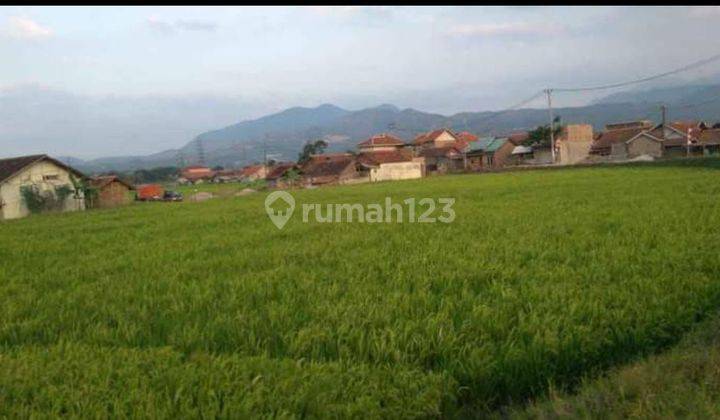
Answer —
196 25
23 28
504 29
166 28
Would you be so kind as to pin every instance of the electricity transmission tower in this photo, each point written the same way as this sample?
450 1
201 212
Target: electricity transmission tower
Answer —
200 152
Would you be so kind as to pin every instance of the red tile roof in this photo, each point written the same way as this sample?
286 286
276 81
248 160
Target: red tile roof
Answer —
378 158
606 139
518 138
196 172
710 136
279 170
684 126
432 135
329 165
450 152
251 170
467 136
383 139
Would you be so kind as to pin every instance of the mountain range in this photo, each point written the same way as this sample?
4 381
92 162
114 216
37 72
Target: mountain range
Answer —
280 136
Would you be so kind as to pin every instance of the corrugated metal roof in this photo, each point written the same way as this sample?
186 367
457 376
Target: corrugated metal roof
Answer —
489 144
519 150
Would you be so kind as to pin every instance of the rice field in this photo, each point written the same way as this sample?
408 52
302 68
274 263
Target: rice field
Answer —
206 309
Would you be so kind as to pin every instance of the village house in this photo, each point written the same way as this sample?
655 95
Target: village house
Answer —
42 173
442 150
110 191
381 143
227 175
441 138
195 175
333 168
490 153
276 176
254 172
446 159
709 140
390 165
611 143
467 137
520 154
659 141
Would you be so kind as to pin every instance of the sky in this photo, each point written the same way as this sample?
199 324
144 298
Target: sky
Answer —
257 60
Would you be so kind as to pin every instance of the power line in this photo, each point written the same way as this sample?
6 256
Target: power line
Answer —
644 79
493 115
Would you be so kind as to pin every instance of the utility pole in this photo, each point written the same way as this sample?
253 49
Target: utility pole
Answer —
548 92
663 110
265 150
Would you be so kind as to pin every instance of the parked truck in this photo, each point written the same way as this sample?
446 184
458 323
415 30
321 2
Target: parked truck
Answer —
156 192
149 192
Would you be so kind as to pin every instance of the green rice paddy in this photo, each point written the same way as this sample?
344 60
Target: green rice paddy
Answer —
206 309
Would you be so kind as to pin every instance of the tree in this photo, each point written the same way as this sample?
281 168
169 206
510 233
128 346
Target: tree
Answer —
311 148
541 135
291 176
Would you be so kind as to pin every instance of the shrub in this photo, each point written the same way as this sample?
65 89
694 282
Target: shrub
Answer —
38 201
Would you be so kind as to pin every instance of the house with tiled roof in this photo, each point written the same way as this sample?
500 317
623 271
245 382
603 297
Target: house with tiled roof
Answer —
278 173
195 174
253 172
604 142
332 168
467 137
443 159
437 138
381 142
443 150
661 140
388 165
43 175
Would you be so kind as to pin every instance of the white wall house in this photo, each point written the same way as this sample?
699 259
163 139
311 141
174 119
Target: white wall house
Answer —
41 171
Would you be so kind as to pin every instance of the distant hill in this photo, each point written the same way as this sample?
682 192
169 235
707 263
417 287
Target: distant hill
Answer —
282 135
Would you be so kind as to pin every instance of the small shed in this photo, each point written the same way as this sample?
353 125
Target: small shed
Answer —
111 191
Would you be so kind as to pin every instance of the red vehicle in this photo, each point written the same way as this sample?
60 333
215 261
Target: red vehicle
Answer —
150 192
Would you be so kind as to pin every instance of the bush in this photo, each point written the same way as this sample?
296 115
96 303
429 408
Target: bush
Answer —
39 201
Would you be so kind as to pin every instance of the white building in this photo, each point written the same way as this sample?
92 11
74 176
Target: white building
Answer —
45 174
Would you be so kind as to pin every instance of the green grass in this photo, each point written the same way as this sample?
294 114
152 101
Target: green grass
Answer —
178 309
682 383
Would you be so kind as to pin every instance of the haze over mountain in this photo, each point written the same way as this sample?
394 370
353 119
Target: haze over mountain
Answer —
135 81
281 135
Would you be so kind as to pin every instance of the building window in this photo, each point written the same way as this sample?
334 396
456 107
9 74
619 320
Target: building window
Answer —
52 177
